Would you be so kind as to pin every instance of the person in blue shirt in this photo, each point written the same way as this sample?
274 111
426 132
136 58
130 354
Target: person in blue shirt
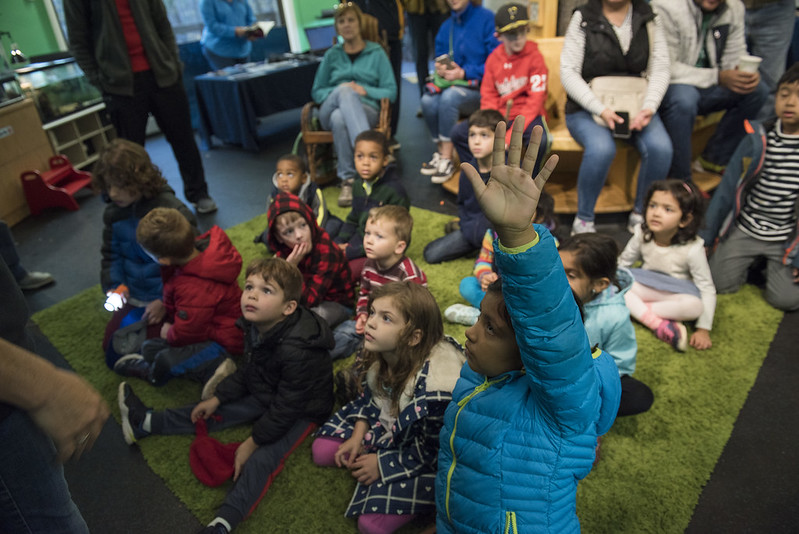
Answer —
225 41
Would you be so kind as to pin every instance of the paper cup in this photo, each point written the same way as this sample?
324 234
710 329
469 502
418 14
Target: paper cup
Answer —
749 63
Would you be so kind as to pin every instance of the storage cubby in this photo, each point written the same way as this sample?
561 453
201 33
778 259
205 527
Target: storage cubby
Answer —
82 135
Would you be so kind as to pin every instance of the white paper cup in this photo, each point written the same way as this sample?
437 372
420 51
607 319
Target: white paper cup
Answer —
749 63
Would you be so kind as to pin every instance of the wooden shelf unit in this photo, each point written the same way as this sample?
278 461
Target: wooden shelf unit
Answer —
82 135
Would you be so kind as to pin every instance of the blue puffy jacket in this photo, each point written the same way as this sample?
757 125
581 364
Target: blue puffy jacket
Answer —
514 446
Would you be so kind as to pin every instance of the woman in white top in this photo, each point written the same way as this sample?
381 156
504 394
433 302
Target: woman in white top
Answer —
611 38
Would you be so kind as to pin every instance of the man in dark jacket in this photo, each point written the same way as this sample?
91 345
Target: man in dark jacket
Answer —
128 50
284 387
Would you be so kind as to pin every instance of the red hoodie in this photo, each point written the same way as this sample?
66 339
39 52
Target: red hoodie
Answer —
203 297
521 77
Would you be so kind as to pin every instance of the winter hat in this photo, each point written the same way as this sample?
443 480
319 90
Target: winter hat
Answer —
211 461
510 16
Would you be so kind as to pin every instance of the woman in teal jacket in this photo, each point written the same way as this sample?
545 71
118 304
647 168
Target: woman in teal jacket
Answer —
525 415
353 77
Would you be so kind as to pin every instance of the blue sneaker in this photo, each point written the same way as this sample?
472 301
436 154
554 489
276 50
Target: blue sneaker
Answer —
132 412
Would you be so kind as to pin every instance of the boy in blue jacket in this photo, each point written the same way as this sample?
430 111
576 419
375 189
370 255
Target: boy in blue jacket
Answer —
530 404
754 210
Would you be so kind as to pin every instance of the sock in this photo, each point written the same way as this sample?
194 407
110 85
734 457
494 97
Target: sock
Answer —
650 320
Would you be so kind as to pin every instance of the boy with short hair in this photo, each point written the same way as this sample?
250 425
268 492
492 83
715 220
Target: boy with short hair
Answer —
201 296
291 176
294 234
386 238
377 184
753 211
515 74
285 388
472 226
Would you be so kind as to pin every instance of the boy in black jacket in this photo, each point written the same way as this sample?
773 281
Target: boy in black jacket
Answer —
285 387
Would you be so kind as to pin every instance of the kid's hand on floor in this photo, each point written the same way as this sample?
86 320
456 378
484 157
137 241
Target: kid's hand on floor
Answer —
510 197
700 340
204 409
365 469
243 454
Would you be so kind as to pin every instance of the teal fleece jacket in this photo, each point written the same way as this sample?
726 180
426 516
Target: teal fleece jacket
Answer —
371 70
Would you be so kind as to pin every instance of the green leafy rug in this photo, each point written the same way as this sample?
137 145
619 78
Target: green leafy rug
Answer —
653 466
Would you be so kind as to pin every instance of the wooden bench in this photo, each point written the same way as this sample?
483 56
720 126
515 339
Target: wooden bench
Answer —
618 194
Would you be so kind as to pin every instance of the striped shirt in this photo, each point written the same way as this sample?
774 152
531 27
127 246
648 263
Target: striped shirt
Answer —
769 210
372 277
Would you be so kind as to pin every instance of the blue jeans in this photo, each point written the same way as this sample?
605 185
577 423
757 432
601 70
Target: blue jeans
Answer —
599 147
347 340
470 290
450 247
34 496
218 62
346 116
682 103
441 111
768 35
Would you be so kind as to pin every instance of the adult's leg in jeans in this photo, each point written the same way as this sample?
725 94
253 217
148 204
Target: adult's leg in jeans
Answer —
599 149
8 251
430 111
221 62
334 313
346 339
343 113
654 145
178 420
259 471
450 247
453 100
768 35
730 130
170 107
34 496
678 112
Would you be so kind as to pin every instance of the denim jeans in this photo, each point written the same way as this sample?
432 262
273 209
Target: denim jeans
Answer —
683 103
599 147
346 116
8 252
450 247
768 35
34 496
347 340
218 62
441 111
470 290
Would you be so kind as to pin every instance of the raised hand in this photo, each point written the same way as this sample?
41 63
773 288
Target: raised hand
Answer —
510 197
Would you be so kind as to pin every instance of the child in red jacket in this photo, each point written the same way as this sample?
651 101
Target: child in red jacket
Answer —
202 300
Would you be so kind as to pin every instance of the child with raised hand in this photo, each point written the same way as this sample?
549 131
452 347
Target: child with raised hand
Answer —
473 288
388 436
674 283
284 388
377 184
202 302
590 261
294 234
291 176
132 185
527 410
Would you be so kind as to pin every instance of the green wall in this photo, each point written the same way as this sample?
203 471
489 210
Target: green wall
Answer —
29 26
307 12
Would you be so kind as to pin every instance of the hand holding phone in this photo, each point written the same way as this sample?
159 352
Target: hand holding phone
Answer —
445 60
622 130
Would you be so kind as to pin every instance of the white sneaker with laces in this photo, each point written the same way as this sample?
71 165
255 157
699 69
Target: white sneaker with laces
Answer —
462 314
444 172
429 168
580 226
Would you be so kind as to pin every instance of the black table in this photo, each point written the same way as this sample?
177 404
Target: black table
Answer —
230 104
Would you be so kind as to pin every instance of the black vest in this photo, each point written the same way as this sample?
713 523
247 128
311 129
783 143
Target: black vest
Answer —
603 55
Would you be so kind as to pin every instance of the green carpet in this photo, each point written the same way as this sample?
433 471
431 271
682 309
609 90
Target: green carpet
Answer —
653 466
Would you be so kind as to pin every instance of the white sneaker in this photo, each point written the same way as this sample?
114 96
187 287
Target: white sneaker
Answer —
225 369
634 221
445 171
429 168
462 314
580 226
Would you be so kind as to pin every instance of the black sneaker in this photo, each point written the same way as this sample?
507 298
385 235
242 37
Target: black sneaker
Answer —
133 365
132 412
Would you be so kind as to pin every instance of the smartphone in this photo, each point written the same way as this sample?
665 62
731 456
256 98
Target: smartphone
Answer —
622 130
445 59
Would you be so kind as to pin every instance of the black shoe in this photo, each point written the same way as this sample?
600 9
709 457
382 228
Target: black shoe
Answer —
133 365
215 529
132 412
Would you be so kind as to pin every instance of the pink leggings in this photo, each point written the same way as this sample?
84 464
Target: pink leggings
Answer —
323 450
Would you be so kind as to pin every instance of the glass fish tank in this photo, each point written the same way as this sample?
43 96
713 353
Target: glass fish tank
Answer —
58 88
